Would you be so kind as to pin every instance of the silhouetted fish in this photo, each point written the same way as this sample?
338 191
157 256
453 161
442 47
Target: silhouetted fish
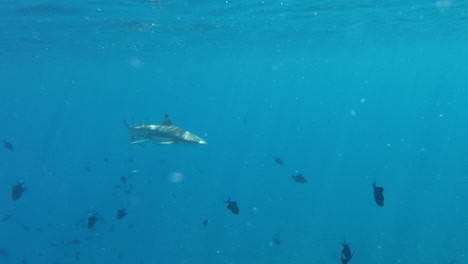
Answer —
121 213
346 254
123 179
8 145
276 241
205 223
278 160
233 206
5 218
299 178
378 195
92 221
74 242
17 191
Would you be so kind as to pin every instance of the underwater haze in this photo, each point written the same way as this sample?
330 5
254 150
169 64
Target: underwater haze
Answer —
303 104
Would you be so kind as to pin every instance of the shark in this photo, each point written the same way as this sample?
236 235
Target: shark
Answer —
166 131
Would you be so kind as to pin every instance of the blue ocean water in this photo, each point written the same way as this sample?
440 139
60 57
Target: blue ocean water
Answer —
344 92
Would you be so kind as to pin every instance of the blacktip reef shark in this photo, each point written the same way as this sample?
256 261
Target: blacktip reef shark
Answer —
166 131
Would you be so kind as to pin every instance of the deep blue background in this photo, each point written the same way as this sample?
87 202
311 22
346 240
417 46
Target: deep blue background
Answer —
344 92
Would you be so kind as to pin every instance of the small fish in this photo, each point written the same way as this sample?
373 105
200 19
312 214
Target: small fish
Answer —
378 195
299 178
121 213
346 254
106 160
74 242
17 191
123 180
87 169
5 218
8 145
233 206
205 223
276 241
25 227
278 160
92 221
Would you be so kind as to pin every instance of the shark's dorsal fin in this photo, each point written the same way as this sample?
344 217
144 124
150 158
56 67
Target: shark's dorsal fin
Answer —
167 121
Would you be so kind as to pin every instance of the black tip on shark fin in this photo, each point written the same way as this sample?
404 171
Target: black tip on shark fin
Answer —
167 121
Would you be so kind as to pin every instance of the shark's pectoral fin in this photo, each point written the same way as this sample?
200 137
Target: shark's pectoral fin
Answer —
139 141
166 142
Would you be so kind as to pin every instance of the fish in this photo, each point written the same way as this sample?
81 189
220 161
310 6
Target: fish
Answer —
92 219
121 213
232 205
205 223
74 242
166 131
17 191
346 254
8 145
7 217
276 241
123 180
299 178
378 195
278 160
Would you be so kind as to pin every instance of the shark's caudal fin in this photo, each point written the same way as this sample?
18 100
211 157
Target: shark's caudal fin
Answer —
167 121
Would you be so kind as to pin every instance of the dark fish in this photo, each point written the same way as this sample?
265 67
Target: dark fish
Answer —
299 178
121 213
276 241
123 179
205 223
278 160
92 221
17 191
87 169
346 254
5 218
233 206
25 227
130 160
74 242
8 145
378 194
